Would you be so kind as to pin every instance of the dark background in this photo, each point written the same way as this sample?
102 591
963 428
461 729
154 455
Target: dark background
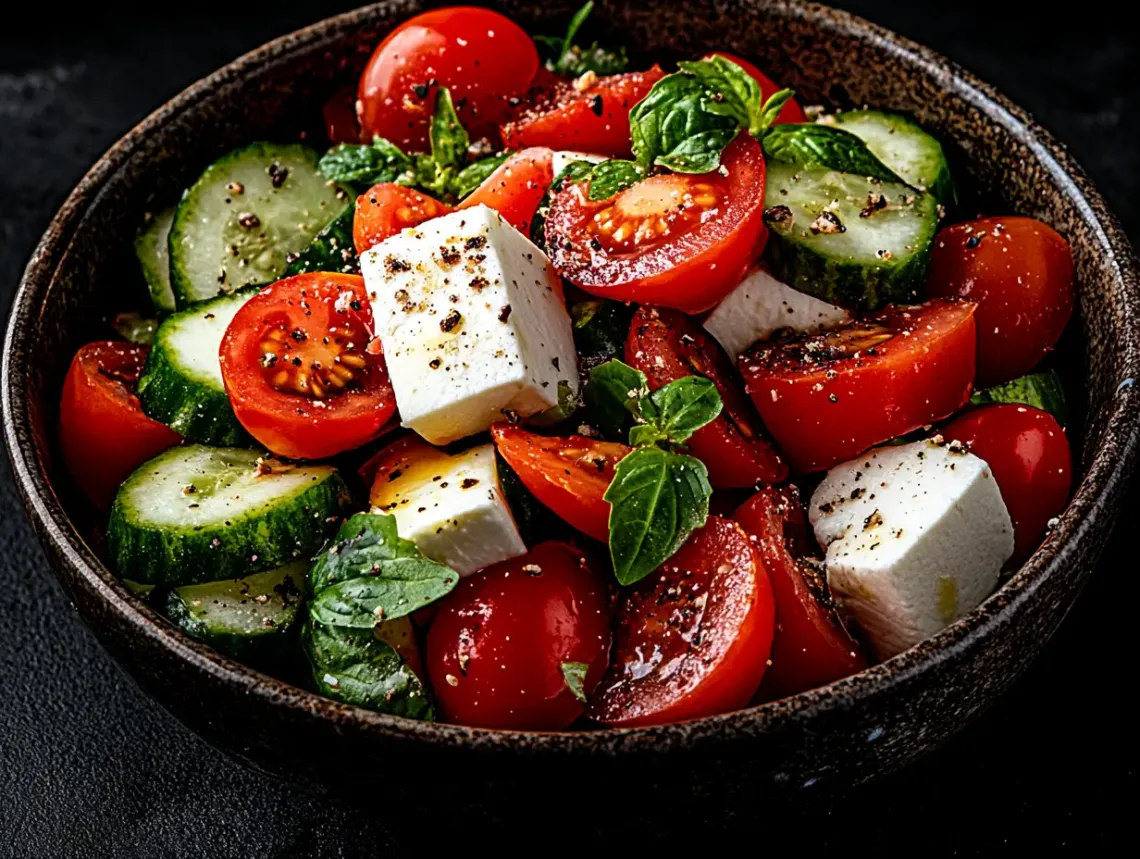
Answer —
89 767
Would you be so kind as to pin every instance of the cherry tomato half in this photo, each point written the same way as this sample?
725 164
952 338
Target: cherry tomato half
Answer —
791 112
1019 271
666 345
385 209
303 372
568 475
672 240
103 432
517 187
482 57
585 116
828 397
498 647
811 647
692 639
1029 455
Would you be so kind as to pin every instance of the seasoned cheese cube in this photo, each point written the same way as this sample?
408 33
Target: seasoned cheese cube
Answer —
473 323
452 507
915 537
760 306
564 157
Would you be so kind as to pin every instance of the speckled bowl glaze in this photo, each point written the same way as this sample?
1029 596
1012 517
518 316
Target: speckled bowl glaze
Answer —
845 733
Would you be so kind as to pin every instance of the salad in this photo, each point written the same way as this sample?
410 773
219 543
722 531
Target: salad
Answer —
569 391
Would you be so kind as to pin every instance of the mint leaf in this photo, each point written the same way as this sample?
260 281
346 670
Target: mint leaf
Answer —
566 58
672 127
610 387
612 177
812 145
474 174
657 500
371 574
367 164
449 141
574 673
683 407
736 93
1037 390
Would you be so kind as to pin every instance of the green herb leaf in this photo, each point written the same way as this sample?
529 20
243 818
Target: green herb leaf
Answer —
645 435
449 141
135 327
612 177
672 127
367 164
609 389
1037 390
371 574
574 674
474 174
812 145
600 329
736 93
657 499
566 58
568 403
332 249
684 406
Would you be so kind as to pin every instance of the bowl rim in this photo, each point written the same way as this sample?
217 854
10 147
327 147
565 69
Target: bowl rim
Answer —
1108 467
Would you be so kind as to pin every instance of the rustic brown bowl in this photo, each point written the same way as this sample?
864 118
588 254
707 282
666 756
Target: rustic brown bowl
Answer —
845 733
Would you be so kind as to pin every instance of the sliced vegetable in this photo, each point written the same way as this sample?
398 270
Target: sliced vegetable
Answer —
385 209
331 250
1038 390
517 187
154 258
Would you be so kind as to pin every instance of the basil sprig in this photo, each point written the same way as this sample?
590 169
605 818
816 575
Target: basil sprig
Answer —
813 145
566 58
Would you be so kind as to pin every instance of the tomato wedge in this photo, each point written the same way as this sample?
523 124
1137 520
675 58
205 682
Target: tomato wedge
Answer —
385 209
791 112
811 647
589 115
692 639
666 345
672 240
303 372
828 397
517 187
103 432
568 475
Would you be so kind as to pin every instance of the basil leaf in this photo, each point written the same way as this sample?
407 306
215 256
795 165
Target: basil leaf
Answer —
645 435
568 59
609 388
371 574
684 406
612 177
449 141
812 145
135 327
657 500
1037 390
367 164
574 673
671 127
473 175
736 93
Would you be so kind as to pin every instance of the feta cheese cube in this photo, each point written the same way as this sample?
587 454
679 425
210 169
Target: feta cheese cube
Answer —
473 323
761 306
915 537
452 507
563 157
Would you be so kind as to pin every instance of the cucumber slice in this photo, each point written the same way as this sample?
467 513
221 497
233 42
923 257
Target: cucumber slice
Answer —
848 240
903 146
253 619
249 211
154 258
1037 390
332 250
199 514
181 384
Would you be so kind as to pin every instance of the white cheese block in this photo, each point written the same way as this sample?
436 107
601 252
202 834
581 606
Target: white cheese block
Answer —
452 507
563 157
473 323
760 306
915 537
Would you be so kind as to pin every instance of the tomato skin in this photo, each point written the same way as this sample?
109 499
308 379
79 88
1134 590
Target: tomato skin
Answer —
1029 455
339 114
288 422
566 118
692 638
1020 274
691 271
791 112
385 209
482 57
496 647
568 475
667 345
103 432
517 187
811 647
823 409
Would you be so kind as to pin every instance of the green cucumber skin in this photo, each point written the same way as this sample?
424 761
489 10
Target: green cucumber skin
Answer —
1041 390
154 259
332 250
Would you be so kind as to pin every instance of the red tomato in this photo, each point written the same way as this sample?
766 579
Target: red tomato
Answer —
593 119
811 647
666 345
483 58
828 397
672 240
791 112
568 475
303 372
339 114
517 187
1020 273
385 209
692 639
497 647
103 432
1028 453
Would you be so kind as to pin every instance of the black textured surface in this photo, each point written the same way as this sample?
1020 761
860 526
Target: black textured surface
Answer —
91 768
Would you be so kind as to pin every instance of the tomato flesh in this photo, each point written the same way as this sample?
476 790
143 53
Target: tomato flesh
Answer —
302 369
385 209
568 475
679 241
1019 272
810 647
517 187
667 345
828 397
1029 455
791 112
103 432
497 646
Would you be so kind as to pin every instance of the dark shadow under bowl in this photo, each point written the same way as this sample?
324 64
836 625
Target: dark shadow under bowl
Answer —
848 732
